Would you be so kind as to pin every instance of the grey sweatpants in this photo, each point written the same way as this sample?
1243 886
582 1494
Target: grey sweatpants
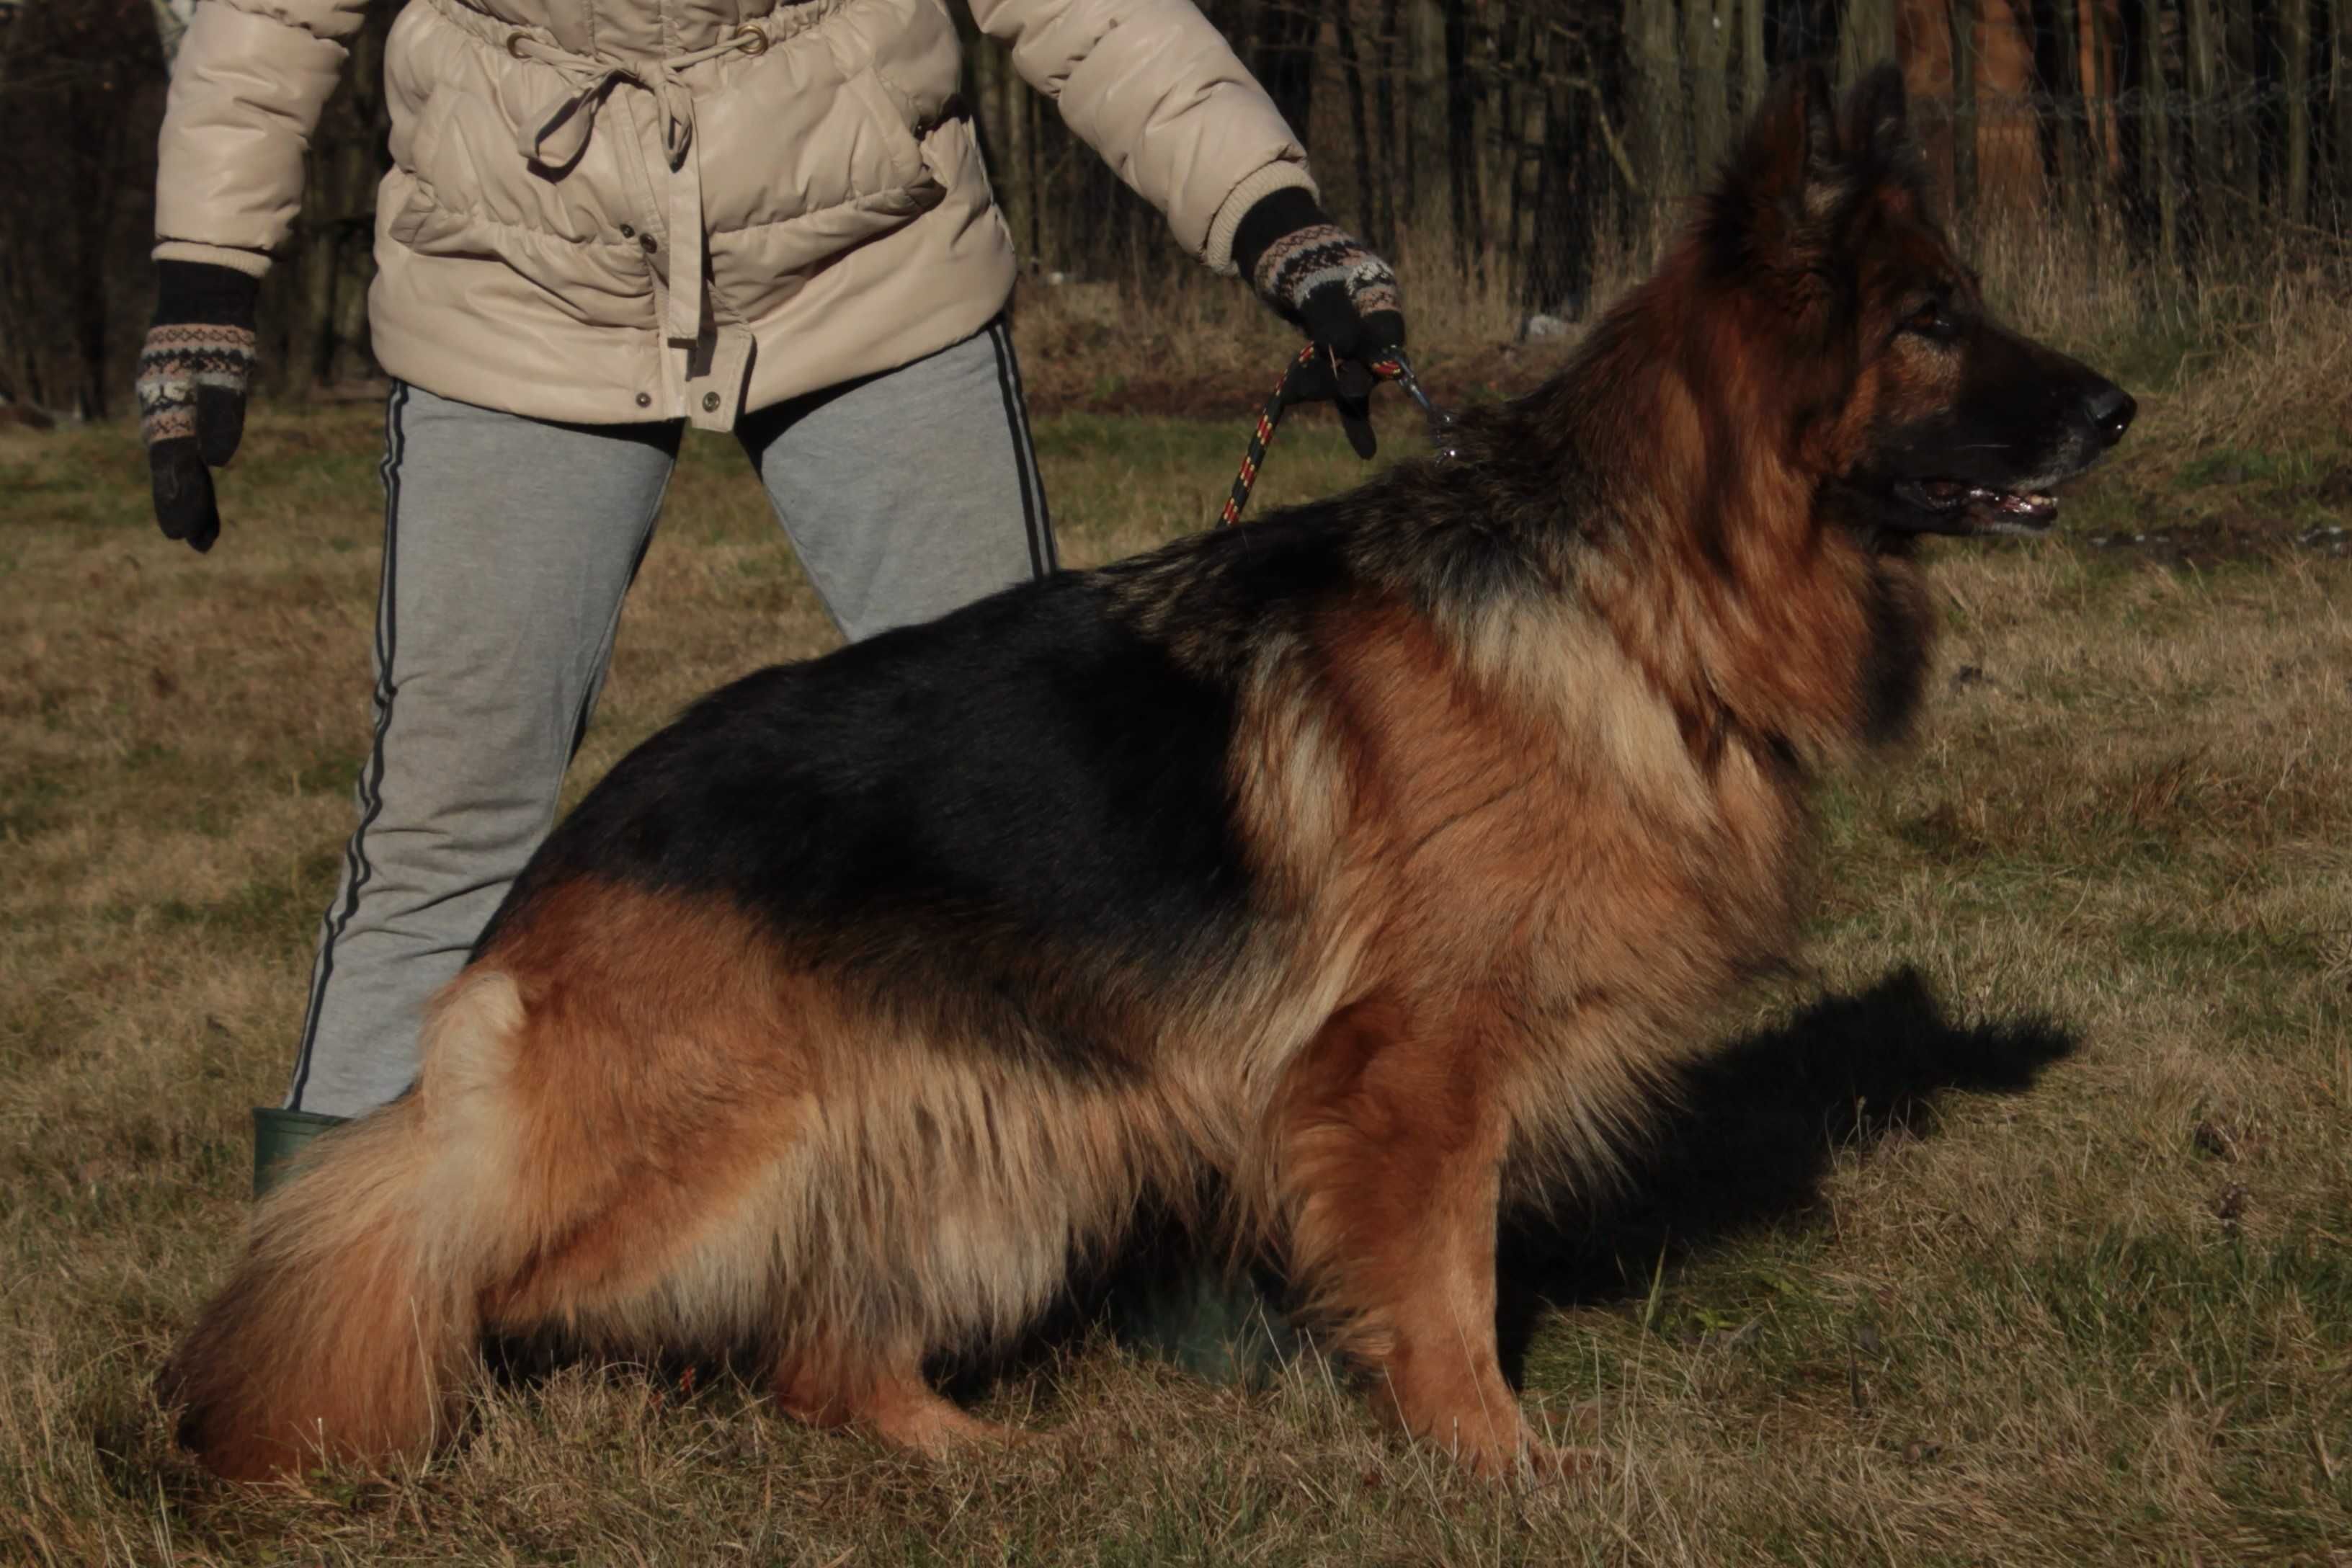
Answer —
509 545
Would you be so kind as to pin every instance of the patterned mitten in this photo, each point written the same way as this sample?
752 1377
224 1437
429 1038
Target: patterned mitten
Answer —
1320 277
193 376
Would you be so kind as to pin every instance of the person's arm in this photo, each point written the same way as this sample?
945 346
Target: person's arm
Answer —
248 85
1155 89
247 89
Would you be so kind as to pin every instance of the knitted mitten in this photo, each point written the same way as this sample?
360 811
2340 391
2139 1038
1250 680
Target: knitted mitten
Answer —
193 373
1322 279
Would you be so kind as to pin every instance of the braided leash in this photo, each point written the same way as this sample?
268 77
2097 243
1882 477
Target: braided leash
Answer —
1395 367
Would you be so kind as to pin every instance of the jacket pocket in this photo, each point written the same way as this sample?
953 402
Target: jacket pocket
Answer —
472 194
832 116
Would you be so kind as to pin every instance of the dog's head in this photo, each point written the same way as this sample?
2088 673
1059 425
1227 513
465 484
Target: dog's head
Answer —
1919 412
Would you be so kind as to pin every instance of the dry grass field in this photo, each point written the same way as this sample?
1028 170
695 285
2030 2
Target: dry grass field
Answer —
2016 1230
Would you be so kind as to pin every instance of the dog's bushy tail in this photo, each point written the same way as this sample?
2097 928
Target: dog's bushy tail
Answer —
351 1328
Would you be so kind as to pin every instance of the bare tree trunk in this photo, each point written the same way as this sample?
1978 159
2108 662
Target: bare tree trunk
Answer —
1866 38
2204 138
1285 59
1754 70
1359 122
2099 93
2157 180
1962 23
1428 117
1509 44
2340 90
2295 28
1502 74
1565 206
1706 56
2067 110
1032 142
94 166
21 343
2243 128
1392 171
1019 195
1655 114
1461 139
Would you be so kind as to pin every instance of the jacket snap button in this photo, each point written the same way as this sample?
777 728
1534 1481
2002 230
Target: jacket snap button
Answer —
514 45
710 402
644 400
754 42
628 231
650 243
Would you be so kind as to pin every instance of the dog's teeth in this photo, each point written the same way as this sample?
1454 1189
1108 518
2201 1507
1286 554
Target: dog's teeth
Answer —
2014 502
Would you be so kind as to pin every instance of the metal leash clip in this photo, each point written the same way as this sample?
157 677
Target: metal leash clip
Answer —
1442 438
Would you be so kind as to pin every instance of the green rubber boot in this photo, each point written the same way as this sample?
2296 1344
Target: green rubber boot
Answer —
1219 1326
277 1137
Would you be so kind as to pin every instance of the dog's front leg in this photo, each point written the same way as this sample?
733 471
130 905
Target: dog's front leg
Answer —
1392 1146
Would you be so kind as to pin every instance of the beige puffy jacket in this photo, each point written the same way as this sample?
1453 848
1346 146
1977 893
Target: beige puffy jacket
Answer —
614 210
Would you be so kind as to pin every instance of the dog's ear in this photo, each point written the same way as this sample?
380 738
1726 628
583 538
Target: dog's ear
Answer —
1791 154
1876 115
1771 217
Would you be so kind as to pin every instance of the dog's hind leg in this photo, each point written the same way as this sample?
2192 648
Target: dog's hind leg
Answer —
887 1395
934 1209
1392 1141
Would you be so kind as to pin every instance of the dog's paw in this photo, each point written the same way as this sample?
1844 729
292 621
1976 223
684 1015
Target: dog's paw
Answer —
1544 1462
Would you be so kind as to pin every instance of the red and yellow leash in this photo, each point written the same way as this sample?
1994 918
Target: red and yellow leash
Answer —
1393 367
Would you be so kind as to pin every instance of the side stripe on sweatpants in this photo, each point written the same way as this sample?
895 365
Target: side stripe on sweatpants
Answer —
356 869
1042 556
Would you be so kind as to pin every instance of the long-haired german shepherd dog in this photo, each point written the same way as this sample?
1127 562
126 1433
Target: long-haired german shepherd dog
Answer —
1369 867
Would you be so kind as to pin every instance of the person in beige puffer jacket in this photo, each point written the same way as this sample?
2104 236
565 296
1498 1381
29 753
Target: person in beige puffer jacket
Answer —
565 172
616 211
605 218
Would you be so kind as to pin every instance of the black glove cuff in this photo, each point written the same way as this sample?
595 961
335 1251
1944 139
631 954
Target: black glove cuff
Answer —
203 293
1272 215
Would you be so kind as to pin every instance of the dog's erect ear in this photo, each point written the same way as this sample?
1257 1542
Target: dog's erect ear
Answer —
1770 215
1877 116
1791 148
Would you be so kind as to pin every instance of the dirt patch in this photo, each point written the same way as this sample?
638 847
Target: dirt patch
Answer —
2241 514
2234 534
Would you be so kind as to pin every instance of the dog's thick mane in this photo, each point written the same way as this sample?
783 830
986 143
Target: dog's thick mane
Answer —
1720 567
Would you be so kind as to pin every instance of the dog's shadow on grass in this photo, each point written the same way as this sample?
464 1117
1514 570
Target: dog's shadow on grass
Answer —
1752 1133
1744 1146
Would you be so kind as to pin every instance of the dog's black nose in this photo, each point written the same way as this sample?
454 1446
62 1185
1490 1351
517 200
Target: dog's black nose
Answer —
2111 409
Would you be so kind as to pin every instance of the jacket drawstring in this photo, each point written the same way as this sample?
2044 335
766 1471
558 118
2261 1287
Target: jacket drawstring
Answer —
555 134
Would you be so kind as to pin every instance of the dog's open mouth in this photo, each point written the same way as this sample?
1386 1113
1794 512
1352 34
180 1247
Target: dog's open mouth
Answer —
1960 507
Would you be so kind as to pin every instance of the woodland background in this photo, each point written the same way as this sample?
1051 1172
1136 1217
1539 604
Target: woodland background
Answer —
1514 149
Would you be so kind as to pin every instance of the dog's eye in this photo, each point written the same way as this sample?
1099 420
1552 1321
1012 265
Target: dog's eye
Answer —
1931 320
